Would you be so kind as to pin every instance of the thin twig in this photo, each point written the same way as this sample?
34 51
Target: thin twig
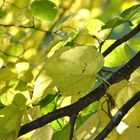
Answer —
118 116
22 26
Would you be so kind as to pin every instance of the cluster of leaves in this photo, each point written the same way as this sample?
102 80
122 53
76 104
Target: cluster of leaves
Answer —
51 56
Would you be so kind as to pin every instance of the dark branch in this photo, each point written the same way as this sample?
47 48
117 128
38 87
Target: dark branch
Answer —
122 40
72 123
118 116
123 73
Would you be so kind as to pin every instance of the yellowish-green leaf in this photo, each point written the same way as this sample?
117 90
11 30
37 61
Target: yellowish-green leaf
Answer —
88 127
42 86
94 28
10 118
130 12
131 133
43 133
132 117
118 56
134 44
115 22
73 69
63 134
14 49
124 90
6 74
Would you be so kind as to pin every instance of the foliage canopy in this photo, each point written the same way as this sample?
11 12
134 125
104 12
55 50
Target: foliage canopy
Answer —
54 57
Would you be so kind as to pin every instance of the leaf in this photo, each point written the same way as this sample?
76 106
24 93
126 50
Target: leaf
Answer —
11 117
131 133
14 50
6 74
19 35
84 131
130 12
118 56
94 28
132 117
44 10
76 68
43 85
63 134
134 44
112 23
43 133
48 104
124 90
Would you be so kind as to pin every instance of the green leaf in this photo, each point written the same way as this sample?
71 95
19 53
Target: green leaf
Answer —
48 104
76 69
11 117
44 10
58 124
22 86
14 50
112 23
118 56
130 12
134 44
19 35
2 13
63 134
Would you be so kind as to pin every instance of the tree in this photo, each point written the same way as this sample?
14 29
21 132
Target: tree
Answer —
69 70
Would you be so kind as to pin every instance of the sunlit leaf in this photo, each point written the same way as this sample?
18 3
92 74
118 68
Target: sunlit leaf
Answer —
48 104
130 12
130 133
124 90
112 23
63 134
44 10
58 124
94 28
14 49
76 68
10 118
43 133
90 125
118 56
6 74
132 117
134 44
42 86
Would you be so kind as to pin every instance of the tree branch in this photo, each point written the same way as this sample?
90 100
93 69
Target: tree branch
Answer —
122 40
118 116
123 73
72 122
